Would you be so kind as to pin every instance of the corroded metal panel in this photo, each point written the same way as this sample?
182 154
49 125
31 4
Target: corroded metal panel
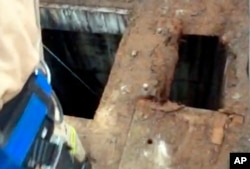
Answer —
127 135
81 18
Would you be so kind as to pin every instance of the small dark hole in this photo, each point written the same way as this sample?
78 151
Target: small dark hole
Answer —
150 141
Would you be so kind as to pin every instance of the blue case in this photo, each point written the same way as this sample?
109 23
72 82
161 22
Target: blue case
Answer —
15 149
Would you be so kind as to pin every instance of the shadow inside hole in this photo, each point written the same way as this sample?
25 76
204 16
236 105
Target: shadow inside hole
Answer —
198 79
90 56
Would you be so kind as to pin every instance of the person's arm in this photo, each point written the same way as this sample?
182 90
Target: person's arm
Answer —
20 45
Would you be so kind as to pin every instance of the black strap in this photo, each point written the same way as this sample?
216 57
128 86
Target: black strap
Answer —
32 157
11 111
44 153
66 161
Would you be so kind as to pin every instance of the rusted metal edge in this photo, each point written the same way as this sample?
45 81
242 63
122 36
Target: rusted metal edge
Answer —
84 19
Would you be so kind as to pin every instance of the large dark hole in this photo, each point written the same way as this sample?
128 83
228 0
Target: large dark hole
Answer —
89 57
199 73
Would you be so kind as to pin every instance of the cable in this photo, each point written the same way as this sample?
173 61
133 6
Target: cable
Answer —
66 67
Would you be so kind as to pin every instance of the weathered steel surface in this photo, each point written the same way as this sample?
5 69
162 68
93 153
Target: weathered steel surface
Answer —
95 140
126 135
81 18
175 139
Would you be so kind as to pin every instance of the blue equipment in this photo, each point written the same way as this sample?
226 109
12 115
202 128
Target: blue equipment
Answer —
26 128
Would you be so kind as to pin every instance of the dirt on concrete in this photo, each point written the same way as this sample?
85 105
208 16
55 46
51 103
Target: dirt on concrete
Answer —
135 112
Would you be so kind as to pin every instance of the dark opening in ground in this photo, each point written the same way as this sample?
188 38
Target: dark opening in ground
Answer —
198 76
90 57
